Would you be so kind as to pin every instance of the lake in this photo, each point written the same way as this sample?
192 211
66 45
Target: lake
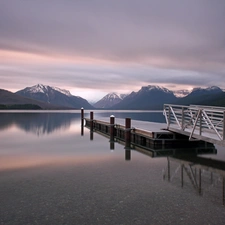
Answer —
51 174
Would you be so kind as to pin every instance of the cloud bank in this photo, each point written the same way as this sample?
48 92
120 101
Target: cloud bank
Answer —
105 45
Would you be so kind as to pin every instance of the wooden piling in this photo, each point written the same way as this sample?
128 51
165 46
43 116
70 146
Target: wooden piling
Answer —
111 132
91 121
112 123
127 133
127 130
82 116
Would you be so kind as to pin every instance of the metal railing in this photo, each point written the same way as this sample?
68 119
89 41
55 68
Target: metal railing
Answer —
196 119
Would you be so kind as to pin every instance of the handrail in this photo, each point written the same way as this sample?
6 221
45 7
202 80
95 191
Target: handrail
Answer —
196 119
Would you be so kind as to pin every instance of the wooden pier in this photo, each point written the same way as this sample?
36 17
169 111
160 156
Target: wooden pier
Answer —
139 134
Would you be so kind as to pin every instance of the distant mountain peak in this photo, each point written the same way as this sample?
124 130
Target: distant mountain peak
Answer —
212 88
114 95
44 88
155 87
54 95
181 93
111 95
109 100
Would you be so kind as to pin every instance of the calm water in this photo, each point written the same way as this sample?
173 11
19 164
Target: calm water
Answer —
51 174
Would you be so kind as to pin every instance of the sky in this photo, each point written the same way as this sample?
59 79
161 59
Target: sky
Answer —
93 47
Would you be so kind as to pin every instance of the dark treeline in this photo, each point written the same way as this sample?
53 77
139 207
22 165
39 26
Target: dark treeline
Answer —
20 106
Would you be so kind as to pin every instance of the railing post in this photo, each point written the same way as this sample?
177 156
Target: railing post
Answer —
200 122
182 120
169 111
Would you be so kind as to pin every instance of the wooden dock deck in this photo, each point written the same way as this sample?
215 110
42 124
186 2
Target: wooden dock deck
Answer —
144 134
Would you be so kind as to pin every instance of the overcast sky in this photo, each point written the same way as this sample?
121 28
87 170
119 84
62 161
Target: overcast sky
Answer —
92 47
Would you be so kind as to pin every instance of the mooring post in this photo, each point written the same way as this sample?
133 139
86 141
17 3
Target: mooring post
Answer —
82 116
112 123
82 121
91 125
127 130
91 121
111 132
127 138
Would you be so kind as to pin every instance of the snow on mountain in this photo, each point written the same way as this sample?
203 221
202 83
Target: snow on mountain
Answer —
44 88
181 93
155 87
211 89
122 96
148 97
38 88
54 95
113 95
109 100
63 91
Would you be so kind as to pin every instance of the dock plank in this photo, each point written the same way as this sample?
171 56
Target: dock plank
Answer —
142 125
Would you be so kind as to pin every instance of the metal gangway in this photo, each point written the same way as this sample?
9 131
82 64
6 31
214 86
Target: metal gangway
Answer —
205 123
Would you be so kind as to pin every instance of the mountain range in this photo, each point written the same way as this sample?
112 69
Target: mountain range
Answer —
54 96
41 97
153 97
148 97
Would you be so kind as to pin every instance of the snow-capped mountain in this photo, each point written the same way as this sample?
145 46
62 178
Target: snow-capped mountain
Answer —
201 95
148 97
155 88
212 89
181 93
40 88
109 100
54 95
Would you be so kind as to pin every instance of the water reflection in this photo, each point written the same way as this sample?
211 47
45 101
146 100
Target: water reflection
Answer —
189 171
74 175
38 123
205 176
186 167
